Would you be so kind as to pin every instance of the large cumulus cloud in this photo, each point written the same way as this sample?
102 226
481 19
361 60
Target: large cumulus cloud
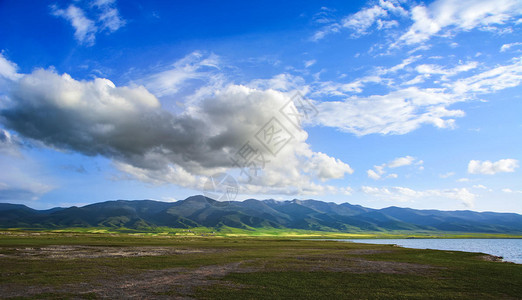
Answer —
98 118
129 125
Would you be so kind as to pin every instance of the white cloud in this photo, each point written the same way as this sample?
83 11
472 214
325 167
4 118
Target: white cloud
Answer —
373 174
446 16
109 16
492 80
345 191
170 174
404 194
397 112
8 69
341 89
416 80
461 194
506 47
480 186
405 62
401 161
446 175
371 190
324 16
380 170
169 199
361 22
510 191
403 110
327 167
393 6
195 66
146 142
309 63
282 82
429 69
491 168
439 18
463 179
84 28
320 34
304 188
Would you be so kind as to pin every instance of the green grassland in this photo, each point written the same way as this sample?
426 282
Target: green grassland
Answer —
235 266
226 231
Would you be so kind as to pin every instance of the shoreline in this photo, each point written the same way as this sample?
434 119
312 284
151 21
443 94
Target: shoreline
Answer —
494 256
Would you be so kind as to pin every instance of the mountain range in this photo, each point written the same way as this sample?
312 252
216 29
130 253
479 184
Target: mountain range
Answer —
201 211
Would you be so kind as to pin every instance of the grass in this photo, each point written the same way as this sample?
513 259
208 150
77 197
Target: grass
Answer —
325 285
225 231
251 267
463 277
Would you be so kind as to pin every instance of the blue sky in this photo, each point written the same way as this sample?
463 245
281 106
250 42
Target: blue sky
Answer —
378 103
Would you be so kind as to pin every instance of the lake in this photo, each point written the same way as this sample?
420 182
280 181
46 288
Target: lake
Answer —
509 249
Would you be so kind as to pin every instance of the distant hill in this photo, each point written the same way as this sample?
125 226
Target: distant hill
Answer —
197 211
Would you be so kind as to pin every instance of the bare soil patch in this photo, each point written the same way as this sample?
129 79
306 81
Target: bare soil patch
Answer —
75 252
176 283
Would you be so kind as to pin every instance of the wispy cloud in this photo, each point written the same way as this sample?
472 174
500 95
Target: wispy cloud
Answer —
362 21
440 18
430 69
444 17
404 194
85 28
397 112
410 102
506 47
447 175
498 78
109 17
309 63
510 191
380 170
173 78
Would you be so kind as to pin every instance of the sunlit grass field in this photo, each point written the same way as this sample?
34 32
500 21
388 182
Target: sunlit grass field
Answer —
225 231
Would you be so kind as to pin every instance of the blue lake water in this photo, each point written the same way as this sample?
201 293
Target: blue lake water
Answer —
509 249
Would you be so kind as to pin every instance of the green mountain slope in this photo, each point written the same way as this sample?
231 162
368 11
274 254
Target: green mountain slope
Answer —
200 211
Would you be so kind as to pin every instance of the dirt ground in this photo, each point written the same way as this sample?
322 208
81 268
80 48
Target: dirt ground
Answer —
74 252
